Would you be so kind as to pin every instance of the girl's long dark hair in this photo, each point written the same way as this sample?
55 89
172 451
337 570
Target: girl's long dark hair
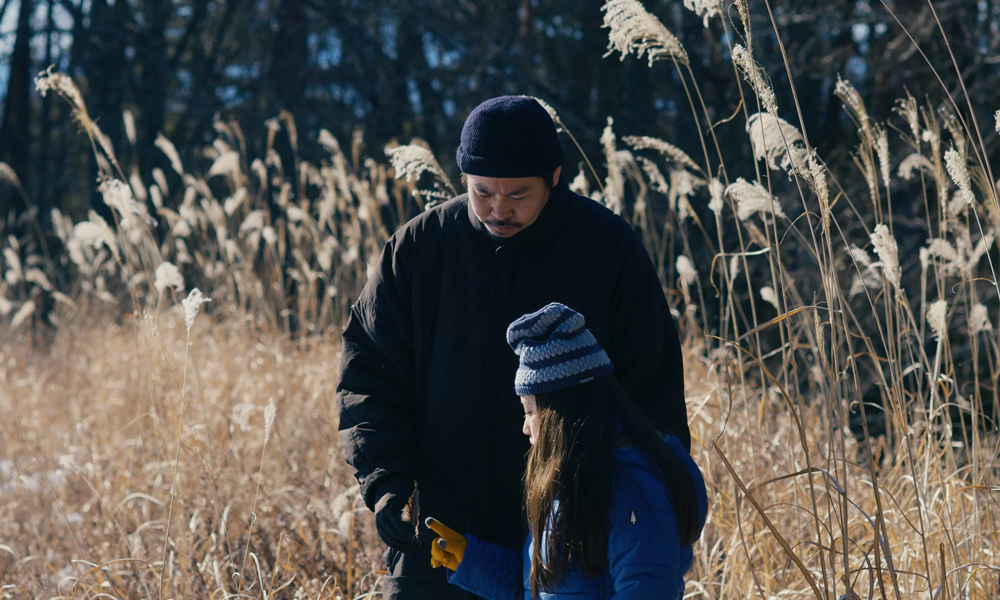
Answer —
572 461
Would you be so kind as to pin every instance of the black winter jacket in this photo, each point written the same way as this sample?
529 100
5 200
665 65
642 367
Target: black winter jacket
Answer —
426 389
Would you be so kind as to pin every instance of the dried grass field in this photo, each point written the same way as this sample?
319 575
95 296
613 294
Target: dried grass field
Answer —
167 376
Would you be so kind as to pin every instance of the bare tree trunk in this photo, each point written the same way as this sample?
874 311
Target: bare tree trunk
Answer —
16 125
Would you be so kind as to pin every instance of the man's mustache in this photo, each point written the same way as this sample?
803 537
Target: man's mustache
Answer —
504 223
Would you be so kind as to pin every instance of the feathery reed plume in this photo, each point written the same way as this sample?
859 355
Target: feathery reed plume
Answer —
912 163
633 29
62 84
228 163
269 413
907 108
14 273
167 148
888 253
168 275
937 318
685 269
744 10
118 195
756 77
850 96
882 150
705 9
552 112
752 198
776 140
996 119
716 191
191 306
412 161
653 173
23 314
979 319
959 173
767 295
683 185
129 121
669 151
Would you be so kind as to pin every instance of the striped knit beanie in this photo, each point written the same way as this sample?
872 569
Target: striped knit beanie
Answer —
557 351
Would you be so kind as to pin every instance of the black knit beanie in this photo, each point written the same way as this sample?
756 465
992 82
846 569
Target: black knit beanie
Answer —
509 136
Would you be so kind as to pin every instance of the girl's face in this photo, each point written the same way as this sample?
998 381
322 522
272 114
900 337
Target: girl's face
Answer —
530 428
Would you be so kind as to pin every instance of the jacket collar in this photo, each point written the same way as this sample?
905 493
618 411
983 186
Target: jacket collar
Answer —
548 222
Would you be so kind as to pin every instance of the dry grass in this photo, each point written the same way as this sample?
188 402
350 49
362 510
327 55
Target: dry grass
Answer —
100 411
115 435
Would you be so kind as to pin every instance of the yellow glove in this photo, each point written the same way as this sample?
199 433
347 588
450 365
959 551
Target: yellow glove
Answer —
447 550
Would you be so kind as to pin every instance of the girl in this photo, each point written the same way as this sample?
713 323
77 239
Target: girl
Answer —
612 506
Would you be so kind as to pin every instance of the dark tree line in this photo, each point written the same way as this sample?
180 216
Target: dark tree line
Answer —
397 69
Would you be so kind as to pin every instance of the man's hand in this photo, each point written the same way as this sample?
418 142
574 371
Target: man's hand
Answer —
447 550
392 516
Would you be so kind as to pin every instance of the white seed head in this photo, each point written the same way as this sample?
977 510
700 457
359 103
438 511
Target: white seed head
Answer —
269 413
937 318
705 9
580 184
633 29
167 147
734 268
776 140
860 256
907 108
959 173
412 161
979 319
756 77
168 275
752 198
850 96
888 253
716 190
150 323
685 269
550 110
655 176
996 118
228 163
129 120
882 149
191 306
767 295
22 314
669 151
912 163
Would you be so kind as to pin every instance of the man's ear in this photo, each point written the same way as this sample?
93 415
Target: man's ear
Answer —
555 176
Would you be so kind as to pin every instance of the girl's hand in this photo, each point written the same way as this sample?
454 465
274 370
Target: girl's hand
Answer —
447 550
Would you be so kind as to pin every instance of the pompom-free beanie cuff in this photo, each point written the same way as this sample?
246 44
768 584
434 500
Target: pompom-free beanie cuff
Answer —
541 387
514 166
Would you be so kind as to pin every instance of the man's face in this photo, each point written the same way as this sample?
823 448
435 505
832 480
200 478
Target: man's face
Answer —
508 206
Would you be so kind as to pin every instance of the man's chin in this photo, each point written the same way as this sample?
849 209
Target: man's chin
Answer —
503 232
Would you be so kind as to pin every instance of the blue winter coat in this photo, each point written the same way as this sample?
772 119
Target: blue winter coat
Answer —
645 555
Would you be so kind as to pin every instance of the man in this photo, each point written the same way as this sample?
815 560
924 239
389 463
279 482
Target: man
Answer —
426 394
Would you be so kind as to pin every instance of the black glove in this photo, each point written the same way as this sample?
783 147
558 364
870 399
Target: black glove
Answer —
392 519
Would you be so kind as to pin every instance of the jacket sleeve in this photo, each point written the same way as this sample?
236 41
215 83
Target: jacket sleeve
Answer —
375 395
645 347
489 571
644 550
